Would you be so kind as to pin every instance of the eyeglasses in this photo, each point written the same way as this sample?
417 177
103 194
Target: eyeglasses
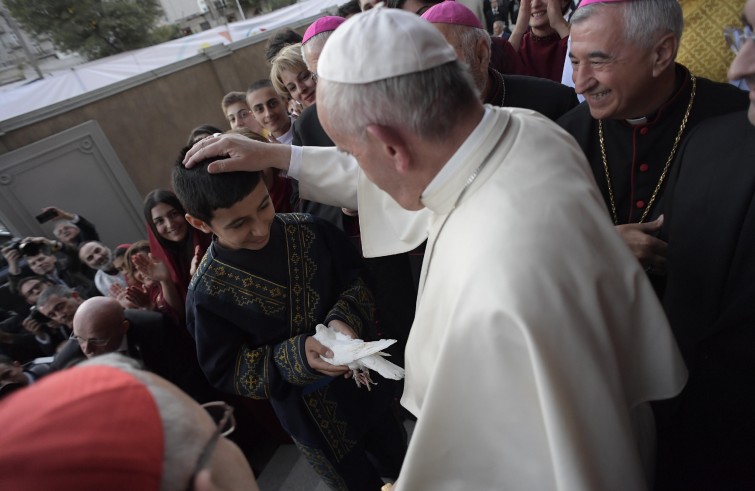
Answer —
222 414
736 37
92 341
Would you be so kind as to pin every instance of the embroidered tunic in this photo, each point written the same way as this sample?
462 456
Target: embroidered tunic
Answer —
251 312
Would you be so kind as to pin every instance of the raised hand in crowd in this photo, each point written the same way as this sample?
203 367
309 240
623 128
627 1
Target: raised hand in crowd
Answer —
12 256
59 214
556 18
195 260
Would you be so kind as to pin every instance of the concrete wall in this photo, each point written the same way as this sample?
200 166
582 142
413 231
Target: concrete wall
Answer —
147 119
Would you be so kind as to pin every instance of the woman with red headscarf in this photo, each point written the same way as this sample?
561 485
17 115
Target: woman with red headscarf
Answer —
172 239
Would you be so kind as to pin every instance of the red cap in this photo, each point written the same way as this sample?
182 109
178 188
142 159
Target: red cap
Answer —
93 427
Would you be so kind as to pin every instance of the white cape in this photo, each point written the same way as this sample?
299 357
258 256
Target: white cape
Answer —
537 339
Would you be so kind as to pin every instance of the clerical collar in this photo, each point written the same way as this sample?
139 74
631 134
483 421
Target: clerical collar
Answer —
459 158
637 121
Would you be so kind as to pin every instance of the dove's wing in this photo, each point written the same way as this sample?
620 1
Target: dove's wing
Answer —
382 366
345 349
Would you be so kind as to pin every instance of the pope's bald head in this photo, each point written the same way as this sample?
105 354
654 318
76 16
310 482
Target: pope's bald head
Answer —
99 325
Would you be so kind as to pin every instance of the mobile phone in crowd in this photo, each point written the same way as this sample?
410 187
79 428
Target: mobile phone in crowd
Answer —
46 216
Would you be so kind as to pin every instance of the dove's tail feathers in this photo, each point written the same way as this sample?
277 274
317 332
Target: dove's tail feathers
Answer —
383 367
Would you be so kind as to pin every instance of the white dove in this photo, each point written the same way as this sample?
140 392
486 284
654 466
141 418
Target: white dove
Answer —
359 355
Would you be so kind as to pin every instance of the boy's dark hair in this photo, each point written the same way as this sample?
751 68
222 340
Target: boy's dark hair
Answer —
201 193
280 39
202 131
260 84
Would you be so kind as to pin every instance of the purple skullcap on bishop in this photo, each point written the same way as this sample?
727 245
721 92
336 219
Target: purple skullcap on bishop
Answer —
452 12
323 24
585 3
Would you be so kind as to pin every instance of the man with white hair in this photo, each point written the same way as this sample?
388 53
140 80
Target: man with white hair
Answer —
99 257
70 228
108 425
640 105
521 369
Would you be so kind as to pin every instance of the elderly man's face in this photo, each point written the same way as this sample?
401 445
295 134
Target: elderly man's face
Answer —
61 309
743 66
67 233
99 338
372 157
614 76
96 255
42 263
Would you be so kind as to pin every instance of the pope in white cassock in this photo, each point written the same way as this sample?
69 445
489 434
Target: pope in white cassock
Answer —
537 341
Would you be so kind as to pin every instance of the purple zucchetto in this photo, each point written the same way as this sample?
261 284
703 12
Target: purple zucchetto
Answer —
323 24
451 12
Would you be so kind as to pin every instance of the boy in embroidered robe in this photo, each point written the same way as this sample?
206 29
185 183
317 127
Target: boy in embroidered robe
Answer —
264 284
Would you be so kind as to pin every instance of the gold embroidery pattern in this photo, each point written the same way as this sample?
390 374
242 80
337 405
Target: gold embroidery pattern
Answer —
333 430
291 364
322 467
354 305
302 271
235 286
252 378
202 267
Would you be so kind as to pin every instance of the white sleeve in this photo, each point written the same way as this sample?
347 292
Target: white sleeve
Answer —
325 175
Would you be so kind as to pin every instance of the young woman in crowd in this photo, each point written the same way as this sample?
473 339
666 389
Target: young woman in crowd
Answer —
291 77
171 239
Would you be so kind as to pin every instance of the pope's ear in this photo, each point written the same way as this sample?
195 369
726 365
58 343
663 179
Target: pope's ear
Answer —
394 145
198 224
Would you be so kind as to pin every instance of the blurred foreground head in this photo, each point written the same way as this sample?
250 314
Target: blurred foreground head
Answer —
108 425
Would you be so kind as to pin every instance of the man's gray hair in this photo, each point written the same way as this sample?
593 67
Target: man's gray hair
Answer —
183 440
469 37
315 43
61 291
645 21
427 103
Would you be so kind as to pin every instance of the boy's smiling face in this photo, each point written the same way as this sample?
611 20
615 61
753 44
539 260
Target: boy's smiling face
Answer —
245 225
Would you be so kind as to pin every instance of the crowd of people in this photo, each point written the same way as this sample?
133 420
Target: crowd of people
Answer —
570 286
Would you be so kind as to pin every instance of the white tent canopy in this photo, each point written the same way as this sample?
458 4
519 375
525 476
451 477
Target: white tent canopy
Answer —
23 97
